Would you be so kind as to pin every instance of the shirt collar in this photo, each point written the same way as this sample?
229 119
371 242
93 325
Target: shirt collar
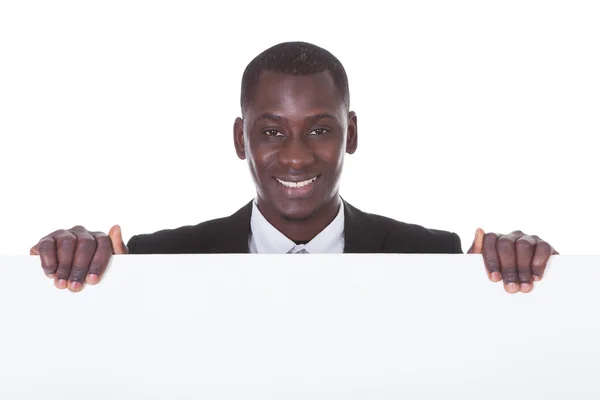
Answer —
267 239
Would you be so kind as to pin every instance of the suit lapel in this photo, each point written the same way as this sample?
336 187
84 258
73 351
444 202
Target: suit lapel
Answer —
361 234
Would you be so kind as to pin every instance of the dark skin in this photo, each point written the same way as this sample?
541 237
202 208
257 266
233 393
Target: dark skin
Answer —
294 135
295 130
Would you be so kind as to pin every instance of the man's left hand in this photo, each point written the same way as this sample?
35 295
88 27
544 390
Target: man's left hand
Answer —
516 258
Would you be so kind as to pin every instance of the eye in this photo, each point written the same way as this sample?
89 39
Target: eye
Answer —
318 131
273 133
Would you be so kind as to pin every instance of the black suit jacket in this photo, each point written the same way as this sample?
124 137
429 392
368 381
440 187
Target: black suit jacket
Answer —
363 233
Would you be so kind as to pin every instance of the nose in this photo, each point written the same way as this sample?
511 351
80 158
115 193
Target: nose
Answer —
295 154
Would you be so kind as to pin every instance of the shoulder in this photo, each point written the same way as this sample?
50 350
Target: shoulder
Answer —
401 237
205 237
178 240
417 238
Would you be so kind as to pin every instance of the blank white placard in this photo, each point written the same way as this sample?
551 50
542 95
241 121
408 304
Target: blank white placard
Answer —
300 327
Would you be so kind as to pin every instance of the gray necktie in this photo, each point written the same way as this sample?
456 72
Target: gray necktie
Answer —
303 251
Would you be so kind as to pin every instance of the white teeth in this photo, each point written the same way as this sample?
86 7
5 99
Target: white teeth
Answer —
296 184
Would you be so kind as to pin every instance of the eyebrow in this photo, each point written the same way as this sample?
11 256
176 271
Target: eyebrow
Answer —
271 117
320 116
278 118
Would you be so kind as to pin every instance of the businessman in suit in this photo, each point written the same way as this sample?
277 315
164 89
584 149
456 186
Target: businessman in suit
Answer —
294 131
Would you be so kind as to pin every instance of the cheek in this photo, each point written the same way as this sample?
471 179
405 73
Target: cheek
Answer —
332 157
260 158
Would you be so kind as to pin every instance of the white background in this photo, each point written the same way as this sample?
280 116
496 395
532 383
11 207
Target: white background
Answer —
470 113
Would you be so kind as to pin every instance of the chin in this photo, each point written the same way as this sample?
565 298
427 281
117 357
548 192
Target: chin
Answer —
298 210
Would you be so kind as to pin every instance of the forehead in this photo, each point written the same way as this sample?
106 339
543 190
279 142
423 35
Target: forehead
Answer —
278 91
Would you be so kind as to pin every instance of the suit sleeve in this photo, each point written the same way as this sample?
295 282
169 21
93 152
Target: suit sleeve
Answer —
132 244
456 244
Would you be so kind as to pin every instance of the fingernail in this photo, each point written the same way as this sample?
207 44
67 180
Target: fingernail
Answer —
526 287
496 276
75 286
51 276
512 287
92 279
62 283
536 278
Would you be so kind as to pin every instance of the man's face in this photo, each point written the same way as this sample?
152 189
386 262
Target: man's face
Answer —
294 135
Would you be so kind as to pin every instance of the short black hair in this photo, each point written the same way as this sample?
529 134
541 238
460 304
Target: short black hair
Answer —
294 58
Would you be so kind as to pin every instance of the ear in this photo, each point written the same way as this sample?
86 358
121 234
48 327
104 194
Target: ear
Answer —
352 135
238 138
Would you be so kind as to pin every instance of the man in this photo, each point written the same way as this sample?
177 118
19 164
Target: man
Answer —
295 130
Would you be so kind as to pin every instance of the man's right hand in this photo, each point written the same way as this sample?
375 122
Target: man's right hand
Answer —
76 255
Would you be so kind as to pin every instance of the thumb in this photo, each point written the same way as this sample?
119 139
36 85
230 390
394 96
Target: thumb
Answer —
116 237
477 246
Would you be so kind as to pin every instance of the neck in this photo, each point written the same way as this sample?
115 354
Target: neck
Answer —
303 230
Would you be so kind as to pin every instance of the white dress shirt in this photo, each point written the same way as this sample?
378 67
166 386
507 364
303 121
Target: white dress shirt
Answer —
266 239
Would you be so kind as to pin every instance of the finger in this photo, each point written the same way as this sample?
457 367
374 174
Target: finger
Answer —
525 247
490 257
538 239
84 252
46 248
66 243
101 257
506 246
542 254
116 238
477 246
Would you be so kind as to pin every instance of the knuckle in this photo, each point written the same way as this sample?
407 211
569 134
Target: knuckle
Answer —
525 242
524 276
67 245
46 245
95 268
505 243
105 244
538 265
65 237
493 263
86 244
102 239
490 235
63 270
544 246
510 275
78 274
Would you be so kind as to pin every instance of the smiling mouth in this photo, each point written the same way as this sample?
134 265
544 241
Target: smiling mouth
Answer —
300 184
